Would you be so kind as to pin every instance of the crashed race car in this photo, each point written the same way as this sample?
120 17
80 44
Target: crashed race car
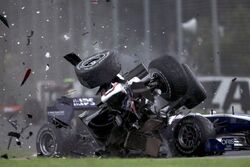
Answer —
138 114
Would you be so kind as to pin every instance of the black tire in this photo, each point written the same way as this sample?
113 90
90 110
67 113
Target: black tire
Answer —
48 142
172 75
52 141
196 92
248 138
98 69
191 134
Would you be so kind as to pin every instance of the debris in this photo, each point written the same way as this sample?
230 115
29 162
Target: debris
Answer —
14 134
10 140
12 115
85 33
29 36
47 67
94 43
66 37
13 123
5 156
29 116
47 55
107 0
23 63
234 79
24 128
30 134
18 143
4 20
73 58
27 74
28 42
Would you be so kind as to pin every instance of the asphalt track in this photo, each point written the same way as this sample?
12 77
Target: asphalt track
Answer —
241 153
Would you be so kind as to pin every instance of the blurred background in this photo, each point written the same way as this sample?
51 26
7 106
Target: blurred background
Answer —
211 36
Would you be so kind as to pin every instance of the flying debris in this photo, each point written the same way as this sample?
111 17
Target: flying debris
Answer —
47 67
29 37
66 37
234 79
29 116
18 142
85 33
27 74
10 141
47 55
30 134
5 156
28 42
73 58
13 123
4 20
14 134
24 128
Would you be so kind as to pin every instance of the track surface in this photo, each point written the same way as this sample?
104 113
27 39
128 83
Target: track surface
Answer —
242 153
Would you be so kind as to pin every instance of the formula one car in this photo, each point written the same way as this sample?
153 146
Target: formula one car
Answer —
137 114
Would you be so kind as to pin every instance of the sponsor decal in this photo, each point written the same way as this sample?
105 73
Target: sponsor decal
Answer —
55 113
84 102
228 143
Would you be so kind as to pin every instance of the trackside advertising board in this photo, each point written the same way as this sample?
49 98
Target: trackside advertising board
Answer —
226 93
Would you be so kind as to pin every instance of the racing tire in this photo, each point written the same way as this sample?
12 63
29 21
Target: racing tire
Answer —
173 82
54 142
196 93
98 69
191 134
248 139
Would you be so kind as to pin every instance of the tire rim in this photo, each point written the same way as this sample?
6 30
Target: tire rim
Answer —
92 61
188 137
47 144
163 83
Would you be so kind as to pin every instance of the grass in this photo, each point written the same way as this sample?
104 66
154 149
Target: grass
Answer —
140 162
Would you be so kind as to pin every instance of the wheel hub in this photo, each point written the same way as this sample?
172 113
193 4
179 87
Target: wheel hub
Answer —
47 144
188 137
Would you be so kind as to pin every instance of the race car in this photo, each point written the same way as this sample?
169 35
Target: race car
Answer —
138 114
